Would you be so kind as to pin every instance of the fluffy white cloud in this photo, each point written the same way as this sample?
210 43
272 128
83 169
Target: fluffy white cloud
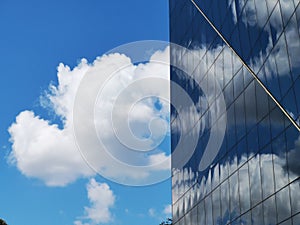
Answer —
43 150
158 158
102 199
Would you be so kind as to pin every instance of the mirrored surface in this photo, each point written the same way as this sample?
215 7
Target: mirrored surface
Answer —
254 178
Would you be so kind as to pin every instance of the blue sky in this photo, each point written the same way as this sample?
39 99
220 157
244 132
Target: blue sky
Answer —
36 36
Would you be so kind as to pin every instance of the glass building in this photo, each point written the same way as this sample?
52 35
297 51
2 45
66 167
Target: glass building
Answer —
237 144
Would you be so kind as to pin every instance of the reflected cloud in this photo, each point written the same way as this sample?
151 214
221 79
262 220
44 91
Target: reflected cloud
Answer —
293 157
277 62
251 184
255 174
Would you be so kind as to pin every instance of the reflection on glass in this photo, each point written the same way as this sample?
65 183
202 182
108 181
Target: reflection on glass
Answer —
254 179
283 204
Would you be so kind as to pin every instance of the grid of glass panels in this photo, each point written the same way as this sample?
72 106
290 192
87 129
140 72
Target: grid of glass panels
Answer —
254 179
265 34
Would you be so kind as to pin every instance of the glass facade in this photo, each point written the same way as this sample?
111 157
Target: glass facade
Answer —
245 53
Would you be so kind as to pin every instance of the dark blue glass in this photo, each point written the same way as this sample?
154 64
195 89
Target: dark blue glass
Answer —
254 176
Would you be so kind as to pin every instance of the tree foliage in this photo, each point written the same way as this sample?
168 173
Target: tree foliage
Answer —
167 222
2 222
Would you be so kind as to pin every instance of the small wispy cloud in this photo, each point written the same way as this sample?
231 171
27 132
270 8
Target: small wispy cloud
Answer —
152 212
168 210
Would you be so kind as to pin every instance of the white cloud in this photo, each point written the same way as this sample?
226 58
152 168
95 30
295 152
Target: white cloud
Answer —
158 158
168 210
44 151
102 199
161 214
78 222
61 97
152 212
48 152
